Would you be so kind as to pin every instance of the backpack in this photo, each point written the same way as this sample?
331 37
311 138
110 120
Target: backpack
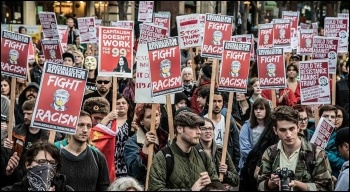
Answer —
169 158
309 158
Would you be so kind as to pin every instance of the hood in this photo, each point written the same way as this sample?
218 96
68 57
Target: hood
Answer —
22 96
181 96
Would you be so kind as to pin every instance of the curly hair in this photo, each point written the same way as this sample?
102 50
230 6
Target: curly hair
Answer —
140 111
284 113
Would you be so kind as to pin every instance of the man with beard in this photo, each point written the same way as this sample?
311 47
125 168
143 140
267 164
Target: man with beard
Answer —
84 167
219 121
104 89
29 93
24 135
36 72
194 171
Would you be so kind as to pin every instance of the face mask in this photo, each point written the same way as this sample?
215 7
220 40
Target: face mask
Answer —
90 63
40 177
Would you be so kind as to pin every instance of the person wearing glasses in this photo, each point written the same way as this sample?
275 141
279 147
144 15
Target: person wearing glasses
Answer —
104 89
42 165
187 81
329 112
303 121
207 143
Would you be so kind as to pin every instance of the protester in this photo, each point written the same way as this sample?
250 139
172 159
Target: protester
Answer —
342 143
285 154
303 120
5 86
104 89
125 184
5 109
203 79
136 147
42 164
37 71
30 92
187 81
188 163
342 91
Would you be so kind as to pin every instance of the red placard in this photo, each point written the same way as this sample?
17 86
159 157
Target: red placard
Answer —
239 38
218 28
116 53
14 54
305 41
235 65
87 30
162 19
165 58
322 133
31 53
59 100
63 31
271 68
282 33
145 11
265 36
151 33
338 27
293 16
49 23
52 51
314 82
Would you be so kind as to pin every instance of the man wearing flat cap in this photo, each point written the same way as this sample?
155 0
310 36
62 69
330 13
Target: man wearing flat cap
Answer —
197 169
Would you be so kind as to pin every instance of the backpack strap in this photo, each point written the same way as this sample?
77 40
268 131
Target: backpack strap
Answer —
169 159
203 156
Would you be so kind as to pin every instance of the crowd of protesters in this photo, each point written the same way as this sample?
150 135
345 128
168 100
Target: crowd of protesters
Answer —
262 138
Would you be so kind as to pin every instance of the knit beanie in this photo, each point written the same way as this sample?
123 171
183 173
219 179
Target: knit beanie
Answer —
206 69
96 105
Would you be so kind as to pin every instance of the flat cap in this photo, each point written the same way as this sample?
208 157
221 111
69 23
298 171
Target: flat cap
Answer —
186 118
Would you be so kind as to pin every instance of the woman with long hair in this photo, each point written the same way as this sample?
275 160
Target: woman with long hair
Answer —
122 66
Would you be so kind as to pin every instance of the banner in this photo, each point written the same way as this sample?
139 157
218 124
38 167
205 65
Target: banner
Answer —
87 30
322 133
49 23
271 68
145 11
165 58
265 35
31 52
189 31
52 51
314 82
234 68
326 48
59 99
293 16
218 28
305 42
143 92
281 32
123 24
162 19
115 52
338 27
14 54
32 30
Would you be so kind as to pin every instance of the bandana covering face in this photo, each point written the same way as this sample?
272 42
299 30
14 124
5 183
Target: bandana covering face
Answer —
40 177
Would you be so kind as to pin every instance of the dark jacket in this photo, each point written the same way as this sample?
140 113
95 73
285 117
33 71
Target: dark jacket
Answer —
35 74
231 177
342 93
96 94
187 168
19 137
19 117
8 179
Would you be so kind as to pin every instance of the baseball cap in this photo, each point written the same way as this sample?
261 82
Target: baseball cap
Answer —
67 54
186 118
342 136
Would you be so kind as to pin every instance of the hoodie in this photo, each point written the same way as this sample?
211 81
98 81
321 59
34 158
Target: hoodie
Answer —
19 117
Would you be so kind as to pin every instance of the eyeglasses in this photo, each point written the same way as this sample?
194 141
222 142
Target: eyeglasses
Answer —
45 161
303 120
206 128
104 82
187 73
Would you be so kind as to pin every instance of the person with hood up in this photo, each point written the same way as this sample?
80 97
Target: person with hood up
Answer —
30 92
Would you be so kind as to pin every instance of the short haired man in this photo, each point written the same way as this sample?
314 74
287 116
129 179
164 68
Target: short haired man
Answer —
342 143
291 152
104 89
85 168
68 59
188 163
37 71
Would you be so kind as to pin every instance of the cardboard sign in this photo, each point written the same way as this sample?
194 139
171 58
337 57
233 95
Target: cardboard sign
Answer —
87 30
123 24
59 99
234 68
315 28
322 133
162 19
189 31
143 88
63 31
338 27
326 48
218 28
49 24
98 23
282 32
314 82
271 68
14 54
116 53
145 11
293 16
265 36
165 58
52 51
305 42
